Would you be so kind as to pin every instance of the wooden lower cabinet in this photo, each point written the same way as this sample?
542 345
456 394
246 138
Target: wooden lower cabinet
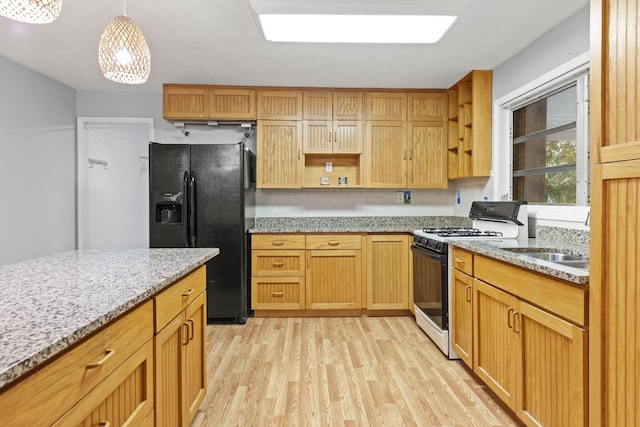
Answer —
181 365
462 316
387 259
334 279
534 361
124 398
277 293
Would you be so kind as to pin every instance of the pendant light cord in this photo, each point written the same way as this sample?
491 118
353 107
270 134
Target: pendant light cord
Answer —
124 6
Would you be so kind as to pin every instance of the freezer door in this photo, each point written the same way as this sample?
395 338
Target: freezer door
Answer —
168 180
220 223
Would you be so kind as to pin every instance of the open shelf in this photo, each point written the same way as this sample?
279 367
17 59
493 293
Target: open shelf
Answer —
343 165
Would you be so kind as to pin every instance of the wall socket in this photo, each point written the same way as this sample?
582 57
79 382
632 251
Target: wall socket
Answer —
399 196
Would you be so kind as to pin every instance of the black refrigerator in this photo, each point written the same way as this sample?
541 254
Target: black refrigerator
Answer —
204 196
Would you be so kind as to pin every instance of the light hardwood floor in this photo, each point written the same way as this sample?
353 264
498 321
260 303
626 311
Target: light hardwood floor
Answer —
344 371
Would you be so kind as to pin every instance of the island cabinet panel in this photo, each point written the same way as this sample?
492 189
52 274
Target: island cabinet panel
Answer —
387 106
279 104
125 398
279 154
171 301
229 104
185 102
102 362
387 259
180 369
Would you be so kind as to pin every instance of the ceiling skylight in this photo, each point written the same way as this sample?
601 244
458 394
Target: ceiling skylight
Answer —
325 28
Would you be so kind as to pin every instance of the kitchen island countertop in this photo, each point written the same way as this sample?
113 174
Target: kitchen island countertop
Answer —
50 303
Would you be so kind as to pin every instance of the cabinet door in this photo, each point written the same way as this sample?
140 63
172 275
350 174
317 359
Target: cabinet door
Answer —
334 279
347 105
317 136
387 106
552 369
185 102
386 154
279 154
123 398
427 155
427 106
279 105
317 105
277 293
462 316
194 384
169 374
387 272
231 104
347 137
494 342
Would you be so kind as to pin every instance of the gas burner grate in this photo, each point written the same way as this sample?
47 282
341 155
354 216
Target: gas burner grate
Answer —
462 232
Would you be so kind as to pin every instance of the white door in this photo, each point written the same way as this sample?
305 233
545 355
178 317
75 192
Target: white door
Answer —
113 196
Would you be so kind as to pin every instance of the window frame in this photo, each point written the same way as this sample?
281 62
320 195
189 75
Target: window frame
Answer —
577 70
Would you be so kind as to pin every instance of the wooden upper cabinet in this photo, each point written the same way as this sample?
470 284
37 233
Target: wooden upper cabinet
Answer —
317 105
279 154
347 105
388 106
386 150
427 166
185 102
232 104
279 104
427 106
201 102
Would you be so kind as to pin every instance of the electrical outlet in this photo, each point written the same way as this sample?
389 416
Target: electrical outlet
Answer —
399 197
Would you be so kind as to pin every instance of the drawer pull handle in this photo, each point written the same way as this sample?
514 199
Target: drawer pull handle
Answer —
278 264
333 243
105 424
107 355
277 242
277 294
189 292
459 262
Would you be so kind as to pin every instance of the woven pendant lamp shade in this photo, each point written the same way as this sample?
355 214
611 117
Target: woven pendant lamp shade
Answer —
123 53
31 11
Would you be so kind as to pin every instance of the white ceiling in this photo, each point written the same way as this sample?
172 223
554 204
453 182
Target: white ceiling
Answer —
219 42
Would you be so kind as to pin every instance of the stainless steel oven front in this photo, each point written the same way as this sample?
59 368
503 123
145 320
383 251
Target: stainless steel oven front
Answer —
430 291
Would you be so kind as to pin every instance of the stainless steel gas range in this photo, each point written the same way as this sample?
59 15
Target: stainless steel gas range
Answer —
505 221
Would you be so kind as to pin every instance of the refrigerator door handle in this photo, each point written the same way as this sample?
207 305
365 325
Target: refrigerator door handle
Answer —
193 237
185 189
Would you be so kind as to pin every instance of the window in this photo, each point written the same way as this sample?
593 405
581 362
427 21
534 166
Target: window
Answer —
549 144
544 141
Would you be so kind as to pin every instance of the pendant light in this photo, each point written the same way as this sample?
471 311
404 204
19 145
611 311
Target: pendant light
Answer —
31 11
123 53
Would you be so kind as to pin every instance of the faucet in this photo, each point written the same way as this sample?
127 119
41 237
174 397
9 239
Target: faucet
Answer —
586 221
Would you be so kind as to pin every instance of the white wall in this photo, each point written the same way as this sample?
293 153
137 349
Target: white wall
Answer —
37 164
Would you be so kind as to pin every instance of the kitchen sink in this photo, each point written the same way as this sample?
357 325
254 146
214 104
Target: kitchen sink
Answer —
568 260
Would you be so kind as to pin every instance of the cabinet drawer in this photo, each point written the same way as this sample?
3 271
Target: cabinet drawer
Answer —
50 392
135 403
334 241
277 263
277 241
462 260
175 298
277 293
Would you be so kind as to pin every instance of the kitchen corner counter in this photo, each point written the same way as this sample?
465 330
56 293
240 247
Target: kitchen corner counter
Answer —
50 303
496 249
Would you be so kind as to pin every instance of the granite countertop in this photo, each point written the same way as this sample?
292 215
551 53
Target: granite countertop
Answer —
496 249
355 224
52 302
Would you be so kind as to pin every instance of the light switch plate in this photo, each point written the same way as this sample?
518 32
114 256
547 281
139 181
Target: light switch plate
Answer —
329 166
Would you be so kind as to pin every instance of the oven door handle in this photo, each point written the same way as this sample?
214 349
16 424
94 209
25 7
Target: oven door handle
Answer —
427 252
